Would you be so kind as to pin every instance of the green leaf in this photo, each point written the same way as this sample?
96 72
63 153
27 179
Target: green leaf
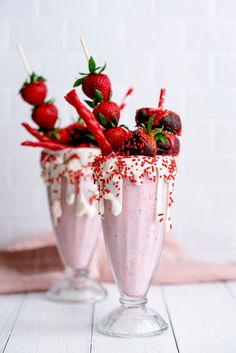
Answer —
41 78
102 120
90 103
149 124
79 82
92 65
83 74
33 77
91 137
51 101
164 139
98 97
115 121
124 126
102 69
80 120
55 133
161 137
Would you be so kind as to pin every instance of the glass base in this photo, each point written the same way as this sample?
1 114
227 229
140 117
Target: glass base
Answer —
132 321
76 287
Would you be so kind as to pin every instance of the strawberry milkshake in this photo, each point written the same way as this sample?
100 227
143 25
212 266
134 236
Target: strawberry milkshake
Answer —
135 201
72 197
135 178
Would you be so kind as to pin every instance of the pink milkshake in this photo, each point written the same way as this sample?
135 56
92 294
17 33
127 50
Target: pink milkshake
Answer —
135 200
72 197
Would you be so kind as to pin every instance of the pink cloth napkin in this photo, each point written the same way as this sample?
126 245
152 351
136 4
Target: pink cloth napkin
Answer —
33 264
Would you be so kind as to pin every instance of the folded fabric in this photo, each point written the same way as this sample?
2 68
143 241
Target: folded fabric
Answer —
33 264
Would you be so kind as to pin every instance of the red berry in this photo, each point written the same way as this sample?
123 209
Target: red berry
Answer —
45 116
116 136
139 143
34 93
59 135
107 113
97 82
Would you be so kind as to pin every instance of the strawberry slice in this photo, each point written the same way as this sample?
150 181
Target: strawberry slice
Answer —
90 120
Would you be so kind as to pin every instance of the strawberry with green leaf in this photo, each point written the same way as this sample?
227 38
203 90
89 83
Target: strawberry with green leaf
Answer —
116 136
95 84
108 114
34 90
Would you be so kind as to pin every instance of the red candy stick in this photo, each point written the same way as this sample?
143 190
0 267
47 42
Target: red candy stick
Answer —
90 120
48 145
124 100
36 133
162 99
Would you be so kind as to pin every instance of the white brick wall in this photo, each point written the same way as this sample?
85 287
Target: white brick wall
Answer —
187 45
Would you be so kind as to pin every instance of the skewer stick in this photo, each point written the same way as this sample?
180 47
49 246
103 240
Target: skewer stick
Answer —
162 98
86 52
24 59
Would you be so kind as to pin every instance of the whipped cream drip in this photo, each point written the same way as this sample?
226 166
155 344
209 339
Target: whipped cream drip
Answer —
74 165
109 173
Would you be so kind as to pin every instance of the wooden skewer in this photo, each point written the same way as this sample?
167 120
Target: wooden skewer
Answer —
86 52
24 59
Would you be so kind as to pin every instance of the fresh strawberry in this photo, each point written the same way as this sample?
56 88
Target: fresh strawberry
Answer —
116 136
95 82
45 116
139 143
169 120
143 115
107 113
59 135
34 91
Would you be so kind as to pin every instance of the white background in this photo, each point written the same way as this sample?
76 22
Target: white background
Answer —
187 46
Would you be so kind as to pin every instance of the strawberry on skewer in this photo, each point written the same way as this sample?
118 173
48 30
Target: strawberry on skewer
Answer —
90 120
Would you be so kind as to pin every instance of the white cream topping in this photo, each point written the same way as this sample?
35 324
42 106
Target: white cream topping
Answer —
74 165
109 173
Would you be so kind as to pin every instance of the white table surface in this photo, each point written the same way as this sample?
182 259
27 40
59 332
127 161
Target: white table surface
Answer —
202 319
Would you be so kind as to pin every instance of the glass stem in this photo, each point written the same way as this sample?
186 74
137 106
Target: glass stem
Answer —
76 274
132 302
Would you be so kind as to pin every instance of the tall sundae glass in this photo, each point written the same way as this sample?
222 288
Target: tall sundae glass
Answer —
72 197
135 201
